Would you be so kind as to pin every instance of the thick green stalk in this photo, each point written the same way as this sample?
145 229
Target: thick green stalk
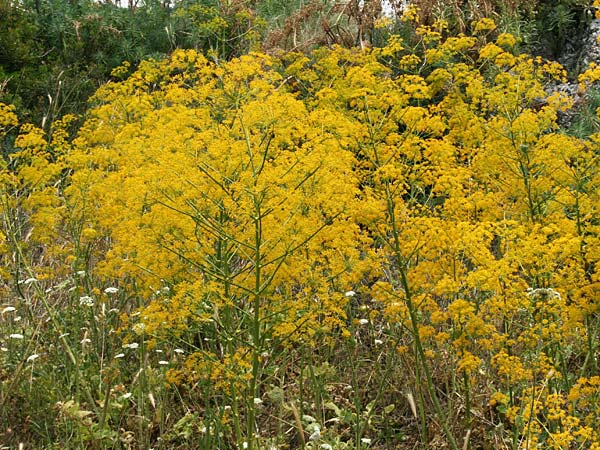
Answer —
256 318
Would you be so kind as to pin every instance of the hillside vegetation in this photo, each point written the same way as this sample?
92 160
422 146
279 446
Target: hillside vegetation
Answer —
372 246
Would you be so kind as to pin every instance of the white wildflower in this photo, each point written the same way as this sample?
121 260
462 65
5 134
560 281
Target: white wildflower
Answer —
86 300
316 432
32 357
315 436
81 273
178 350
543 292
120 355
132 345
365 441
8 309
378 341
363 321
257 401
111 290
126 395
163 363
326 447
350 294
16 336
29 281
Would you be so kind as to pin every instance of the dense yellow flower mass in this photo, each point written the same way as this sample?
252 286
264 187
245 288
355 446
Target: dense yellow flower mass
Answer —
238 201
201 183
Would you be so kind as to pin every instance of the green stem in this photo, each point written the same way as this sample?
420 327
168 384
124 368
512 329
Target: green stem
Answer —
467 400
256 318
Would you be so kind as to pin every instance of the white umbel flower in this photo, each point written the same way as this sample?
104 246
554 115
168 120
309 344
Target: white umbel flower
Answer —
86 300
